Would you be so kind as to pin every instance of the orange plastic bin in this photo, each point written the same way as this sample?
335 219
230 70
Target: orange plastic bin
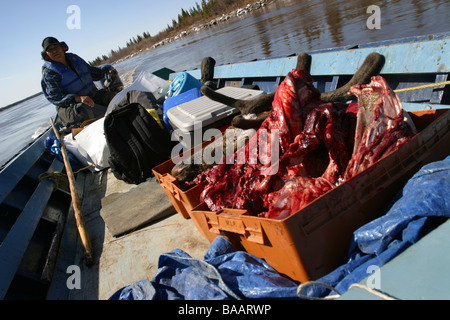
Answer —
182 200
314 241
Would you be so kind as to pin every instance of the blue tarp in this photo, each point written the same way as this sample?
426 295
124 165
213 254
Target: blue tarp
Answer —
422 205
226 273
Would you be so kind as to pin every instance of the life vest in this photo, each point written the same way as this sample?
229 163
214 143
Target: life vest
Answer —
82 83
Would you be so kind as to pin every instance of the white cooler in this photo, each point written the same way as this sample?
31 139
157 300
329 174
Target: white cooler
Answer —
205 113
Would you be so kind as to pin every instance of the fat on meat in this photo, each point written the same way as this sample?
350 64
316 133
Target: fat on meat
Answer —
313 147
382 125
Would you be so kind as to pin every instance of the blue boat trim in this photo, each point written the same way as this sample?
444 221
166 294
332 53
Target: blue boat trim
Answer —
426 263
17 169
425 62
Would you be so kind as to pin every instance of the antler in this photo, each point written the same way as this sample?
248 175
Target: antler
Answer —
370 67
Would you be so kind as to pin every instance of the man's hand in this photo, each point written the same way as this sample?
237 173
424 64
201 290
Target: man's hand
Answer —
86 100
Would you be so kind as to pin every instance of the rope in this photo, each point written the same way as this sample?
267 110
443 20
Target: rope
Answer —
373 291
308 283
59 178
431 85
355 285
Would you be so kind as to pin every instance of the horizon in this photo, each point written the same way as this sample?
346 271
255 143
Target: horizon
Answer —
90 29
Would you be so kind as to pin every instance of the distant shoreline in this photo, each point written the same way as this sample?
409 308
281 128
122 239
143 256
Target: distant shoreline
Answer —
190 30
182 34
20 101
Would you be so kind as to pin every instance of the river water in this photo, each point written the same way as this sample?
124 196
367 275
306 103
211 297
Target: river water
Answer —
279 29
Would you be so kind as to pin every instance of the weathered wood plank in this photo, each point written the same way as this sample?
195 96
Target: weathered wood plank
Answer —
125 212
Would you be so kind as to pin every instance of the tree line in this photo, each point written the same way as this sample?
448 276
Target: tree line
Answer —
200 11
120 52
187 17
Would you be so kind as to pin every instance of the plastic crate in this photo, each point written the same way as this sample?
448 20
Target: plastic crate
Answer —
314 241
182 200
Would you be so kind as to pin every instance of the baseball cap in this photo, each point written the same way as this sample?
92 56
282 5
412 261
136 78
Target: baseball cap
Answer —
49 41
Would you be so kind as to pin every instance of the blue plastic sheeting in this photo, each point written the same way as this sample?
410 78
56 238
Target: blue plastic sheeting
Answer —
54 147
224 274
422 205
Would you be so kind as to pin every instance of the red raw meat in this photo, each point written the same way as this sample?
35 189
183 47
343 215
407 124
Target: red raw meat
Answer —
382 125
314 140
312 152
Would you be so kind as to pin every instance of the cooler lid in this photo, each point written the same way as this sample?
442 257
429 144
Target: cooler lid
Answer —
207 111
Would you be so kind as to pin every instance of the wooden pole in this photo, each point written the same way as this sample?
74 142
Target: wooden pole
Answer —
75 201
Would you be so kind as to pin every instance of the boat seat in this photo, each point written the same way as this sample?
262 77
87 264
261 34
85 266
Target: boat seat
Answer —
18 238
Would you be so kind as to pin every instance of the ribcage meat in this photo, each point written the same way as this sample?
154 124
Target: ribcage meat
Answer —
306 147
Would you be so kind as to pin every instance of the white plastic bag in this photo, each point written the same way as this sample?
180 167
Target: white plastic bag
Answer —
89 146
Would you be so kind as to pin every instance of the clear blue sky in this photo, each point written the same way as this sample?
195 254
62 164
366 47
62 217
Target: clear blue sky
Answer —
104 25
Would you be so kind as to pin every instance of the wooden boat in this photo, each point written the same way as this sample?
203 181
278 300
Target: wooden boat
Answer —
41 255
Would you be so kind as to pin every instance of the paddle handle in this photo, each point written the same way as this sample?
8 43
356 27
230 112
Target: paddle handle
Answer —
76 203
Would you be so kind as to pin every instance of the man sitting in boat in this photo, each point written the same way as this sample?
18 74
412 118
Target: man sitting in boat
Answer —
68 83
